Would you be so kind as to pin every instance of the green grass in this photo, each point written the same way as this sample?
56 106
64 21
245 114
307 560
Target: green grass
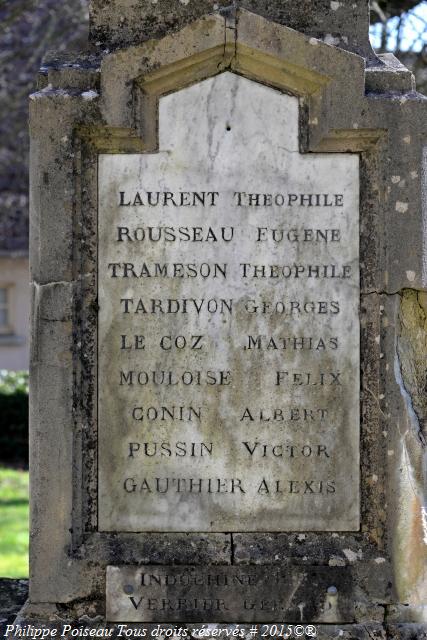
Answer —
13 523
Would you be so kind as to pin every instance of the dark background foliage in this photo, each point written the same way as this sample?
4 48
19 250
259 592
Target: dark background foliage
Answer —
14 418
14 429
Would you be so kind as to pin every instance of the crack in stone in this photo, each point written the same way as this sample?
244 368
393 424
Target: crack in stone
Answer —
232 549
230 15
390 294
52 283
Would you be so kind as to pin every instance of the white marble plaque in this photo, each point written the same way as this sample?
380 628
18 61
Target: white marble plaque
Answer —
228 338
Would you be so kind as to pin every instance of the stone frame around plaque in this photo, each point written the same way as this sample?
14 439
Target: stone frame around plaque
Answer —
308 85
123 120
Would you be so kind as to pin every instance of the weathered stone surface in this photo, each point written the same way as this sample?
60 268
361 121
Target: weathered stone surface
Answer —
412 352
119 23
52 262
239 398
227 594
391 76
13 594
113 109
51 432
163 549
406 632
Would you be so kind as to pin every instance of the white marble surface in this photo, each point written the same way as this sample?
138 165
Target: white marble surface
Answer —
224 135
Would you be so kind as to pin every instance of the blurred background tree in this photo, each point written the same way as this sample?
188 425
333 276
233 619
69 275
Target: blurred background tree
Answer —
28 29
400 26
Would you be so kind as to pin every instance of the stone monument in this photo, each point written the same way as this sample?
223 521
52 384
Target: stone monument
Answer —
228 219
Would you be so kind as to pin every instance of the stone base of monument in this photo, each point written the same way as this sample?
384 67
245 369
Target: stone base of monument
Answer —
58 619
13 595
86 619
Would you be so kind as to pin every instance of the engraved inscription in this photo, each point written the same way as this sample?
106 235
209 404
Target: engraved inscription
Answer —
228 336
222 594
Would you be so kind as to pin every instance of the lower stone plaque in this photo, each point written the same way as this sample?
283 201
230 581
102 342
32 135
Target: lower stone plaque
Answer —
227 594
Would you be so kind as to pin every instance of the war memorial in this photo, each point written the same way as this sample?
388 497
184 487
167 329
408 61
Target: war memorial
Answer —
229 334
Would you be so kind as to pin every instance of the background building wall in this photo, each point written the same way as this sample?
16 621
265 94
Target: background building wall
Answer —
14 345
